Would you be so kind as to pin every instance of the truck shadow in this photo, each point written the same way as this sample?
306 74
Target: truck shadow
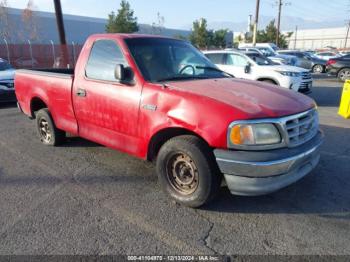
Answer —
324 192
73 141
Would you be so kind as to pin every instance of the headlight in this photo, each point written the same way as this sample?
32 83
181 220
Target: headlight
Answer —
253 135
287 73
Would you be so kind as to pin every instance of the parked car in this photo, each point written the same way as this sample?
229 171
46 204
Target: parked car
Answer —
277 60
339 67
24 62
271 53
343 53
254 66
7 90
326 55
307 61
161 99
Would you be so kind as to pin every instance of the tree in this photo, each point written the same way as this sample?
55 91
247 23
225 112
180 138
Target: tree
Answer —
30 28
219 38
5 27
124 21
200 35
158 27
268 35
203 38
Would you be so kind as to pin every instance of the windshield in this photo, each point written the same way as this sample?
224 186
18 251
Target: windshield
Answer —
259 59
4 65
161 59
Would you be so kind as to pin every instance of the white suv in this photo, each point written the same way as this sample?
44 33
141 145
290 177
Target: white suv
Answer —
254 66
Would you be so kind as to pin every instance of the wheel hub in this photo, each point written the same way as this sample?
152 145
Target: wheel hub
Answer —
182 174
45 131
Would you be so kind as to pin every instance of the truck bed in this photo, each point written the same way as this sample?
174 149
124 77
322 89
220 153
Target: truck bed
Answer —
51 87
50 71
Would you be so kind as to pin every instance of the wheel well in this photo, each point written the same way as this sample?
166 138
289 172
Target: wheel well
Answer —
159 139
345 67
270 79
35 105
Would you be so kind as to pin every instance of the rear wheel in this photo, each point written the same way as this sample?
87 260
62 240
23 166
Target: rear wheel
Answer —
344 74
187 171
48 133
318 69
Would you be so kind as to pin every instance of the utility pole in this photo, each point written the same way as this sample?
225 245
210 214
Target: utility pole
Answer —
59 21
62 35
295 37
347 34
279 21
256 21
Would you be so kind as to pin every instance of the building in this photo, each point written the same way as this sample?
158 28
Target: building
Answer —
319 38
43 30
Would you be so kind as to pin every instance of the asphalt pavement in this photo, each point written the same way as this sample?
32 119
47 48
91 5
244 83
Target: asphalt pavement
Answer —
83 198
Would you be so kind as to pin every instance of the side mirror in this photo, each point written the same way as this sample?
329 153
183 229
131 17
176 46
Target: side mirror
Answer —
247 68
119 72
123 74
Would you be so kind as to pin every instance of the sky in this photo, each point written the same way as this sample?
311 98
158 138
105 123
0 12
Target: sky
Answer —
181 13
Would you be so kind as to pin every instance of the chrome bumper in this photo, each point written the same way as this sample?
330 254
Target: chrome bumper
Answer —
259 173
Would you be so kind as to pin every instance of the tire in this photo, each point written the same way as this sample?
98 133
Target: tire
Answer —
344 74
318 69
187 171
269 81
48 133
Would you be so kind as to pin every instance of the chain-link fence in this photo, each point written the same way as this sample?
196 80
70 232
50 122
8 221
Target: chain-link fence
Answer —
29 55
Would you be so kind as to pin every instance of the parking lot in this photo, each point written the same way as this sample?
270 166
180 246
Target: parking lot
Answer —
82 198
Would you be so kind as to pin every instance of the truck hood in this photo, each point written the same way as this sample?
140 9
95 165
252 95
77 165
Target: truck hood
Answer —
255 99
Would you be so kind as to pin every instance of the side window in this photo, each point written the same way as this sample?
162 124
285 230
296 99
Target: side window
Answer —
216 58
236 60
104 56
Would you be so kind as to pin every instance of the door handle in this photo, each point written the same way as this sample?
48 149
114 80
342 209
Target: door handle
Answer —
81 92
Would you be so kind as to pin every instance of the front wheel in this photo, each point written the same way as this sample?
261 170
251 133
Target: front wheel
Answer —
269 81
48 133
187 171
344 74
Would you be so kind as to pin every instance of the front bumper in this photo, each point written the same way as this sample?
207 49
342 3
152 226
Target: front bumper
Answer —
254 173
7 95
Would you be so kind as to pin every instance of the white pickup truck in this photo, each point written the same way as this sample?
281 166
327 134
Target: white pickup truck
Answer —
254 66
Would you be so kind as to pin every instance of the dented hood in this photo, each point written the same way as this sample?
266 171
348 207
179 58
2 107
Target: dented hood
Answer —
256 99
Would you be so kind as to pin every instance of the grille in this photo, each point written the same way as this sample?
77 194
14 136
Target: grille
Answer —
7 84
304 84
306 76
302 127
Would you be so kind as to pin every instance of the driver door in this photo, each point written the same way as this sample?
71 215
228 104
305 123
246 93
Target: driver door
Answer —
107 110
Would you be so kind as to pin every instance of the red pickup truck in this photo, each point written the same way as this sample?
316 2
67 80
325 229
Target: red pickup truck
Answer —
161 99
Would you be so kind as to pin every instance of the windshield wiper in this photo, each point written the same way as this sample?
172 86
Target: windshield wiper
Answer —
175 78
213 69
